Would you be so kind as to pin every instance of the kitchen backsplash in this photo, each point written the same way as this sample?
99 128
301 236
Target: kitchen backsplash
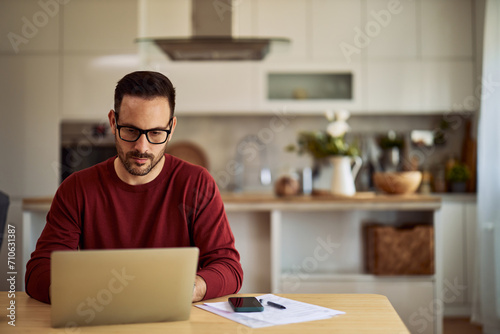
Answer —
220 137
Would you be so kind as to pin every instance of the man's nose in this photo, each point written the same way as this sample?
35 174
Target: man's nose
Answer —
142 143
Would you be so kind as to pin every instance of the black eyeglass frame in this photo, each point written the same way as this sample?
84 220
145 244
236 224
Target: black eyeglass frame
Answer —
144 132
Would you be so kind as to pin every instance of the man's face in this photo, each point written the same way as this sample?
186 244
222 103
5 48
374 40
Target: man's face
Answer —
140 157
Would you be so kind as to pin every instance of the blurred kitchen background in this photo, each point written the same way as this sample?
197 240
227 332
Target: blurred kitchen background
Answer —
410 69
416 70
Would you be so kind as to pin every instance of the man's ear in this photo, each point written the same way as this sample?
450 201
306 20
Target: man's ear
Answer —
174 123
112 120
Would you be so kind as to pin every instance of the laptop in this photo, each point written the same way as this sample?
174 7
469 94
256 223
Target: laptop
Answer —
104 287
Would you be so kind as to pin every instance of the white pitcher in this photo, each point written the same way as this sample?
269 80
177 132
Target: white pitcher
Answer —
344 174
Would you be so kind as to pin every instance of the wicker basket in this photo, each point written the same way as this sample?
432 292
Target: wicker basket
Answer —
393 250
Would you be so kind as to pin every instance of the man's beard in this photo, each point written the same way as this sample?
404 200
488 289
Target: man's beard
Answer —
132 167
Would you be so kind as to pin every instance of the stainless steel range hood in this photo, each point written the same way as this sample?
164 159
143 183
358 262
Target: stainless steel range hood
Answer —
213 38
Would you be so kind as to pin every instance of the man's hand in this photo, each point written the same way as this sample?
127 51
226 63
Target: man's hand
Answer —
200 289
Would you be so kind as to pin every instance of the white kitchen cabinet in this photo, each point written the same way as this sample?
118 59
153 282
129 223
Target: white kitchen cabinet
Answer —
459 235
100 26
454 247
394 86
309 106
221 87
29 26
418 58
252 240
243 18
288 19
446 28
448 85
392 29
164 18
89 83
420 86
333 25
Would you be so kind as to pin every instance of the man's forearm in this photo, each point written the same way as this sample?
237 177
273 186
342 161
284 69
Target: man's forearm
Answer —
38 281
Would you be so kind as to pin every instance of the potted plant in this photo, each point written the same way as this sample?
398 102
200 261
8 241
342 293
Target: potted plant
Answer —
326 143
329 147
457 177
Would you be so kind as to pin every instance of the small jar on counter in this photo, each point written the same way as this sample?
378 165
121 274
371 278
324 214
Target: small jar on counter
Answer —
287 184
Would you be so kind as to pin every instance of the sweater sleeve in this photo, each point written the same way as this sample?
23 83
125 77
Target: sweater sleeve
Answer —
61 232
219 263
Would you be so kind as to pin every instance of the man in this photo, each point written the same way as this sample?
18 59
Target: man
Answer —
141 198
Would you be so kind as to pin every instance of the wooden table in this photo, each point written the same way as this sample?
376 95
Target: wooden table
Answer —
365 313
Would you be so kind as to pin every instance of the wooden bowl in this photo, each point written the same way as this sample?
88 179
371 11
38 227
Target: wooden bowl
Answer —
397 182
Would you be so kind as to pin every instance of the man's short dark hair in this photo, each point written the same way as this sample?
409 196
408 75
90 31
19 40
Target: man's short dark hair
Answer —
146 85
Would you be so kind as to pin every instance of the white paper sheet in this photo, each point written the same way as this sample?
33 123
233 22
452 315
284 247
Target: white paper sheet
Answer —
295 312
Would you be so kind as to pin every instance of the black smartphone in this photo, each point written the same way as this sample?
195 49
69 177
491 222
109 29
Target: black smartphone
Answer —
245 304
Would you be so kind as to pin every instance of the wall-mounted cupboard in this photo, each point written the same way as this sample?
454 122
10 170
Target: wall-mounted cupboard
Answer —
403 56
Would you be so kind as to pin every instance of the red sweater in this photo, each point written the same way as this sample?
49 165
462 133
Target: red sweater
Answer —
94 209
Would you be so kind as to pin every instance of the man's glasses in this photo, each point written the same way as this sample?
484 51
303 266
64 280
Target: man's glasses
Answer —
154 136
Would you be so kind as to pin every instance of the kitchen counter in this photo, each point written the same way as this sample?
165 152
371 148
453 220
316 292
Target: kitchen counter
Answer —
365 201
266 202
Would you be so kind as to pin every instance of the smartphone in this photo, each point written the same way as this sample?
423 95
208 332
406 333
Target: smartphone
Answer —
245 304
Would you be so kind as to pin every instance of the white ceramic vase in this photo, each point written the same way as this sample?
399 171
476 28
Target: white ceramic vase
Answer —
345 170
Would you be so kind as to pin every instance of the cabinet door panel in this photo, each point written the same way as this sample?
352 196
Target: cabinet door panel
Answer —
252 240
394 86
243 18
284 18
93 25
217 87
452 215
448 86
470 246
334 26
393 27
446 28
89 83
311 106
164 18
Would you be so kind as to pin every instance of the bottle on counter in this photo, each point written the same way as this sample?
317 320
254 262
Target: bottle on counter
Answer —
439 179
425 186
